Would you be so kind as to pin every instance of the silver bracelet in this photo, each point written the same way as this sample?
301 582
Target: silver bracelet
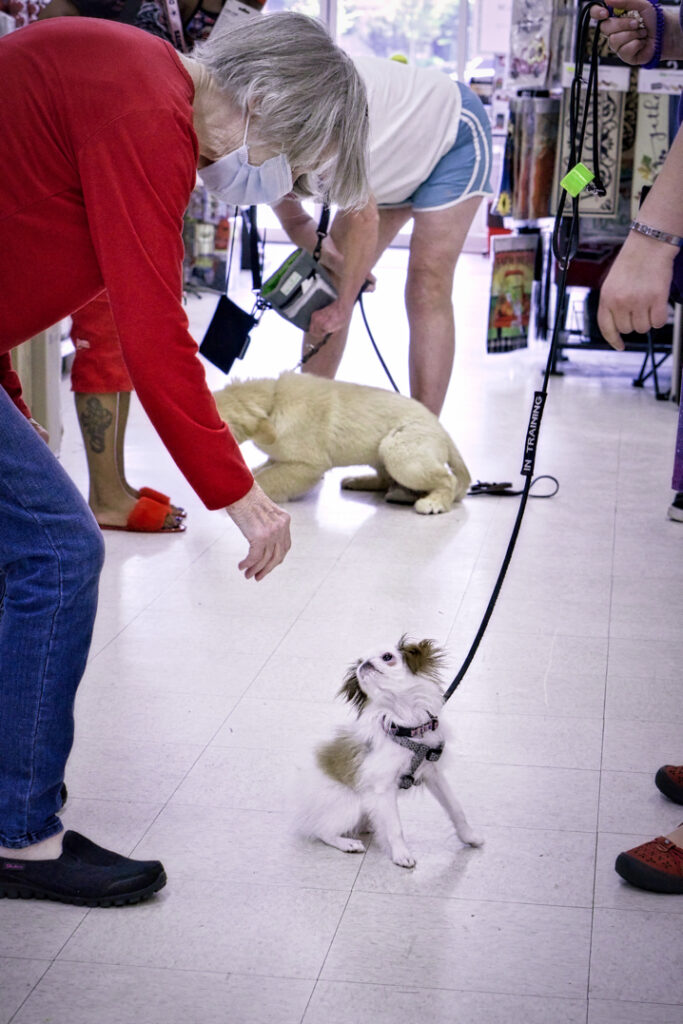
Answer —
660 236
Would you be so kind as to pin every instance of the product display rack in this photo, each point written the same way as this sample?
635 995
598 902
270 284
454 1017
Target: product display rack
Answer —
634 115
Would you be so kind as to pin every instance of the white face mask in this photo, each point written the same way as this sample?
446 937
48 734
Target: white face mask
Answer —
234 180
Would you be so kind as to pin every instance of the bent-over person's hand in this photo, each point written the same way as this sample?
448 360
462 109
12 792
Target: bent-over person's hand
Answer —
635 294
266 526
631 39
331 318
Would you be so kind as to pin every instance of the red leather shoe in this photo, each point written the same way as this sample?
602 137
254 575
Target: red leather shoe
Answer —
656 866
669 781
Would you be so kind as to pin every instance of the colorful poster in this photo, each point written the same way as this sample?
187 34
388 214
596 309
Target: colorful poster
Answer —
512 281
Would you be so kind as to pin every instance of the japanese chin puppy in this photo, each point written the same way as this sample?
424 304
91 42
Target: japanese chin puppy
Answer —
395 742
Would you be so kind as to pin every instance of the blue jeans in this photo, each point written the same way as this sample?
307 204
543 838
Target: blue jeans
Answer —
51 554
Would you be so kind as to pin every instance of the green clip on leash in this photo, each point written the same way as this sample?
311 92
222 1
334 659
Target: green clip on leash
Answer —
578 178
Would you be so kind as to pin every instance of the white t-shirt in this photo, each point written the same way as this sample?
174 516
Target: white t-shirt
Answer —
414 118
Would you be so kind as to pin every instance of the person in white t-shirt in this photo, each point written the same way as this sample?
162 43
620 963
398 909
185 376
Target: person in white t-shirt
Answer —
430 159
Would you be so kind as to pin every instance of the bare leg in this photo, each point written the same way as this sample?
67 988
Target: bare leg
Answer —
436 243
121 424
109 496
439 788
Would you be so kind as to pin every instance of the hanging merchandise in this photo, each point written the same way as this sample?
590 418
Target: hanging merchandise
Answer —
614 228
205 241
503 204
535 123
656 119
512 281
529 43
611 109
659 90
233 12
561 40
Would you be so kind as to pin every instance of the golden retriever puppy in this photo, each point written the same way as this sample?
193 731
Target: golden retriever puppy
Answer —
307 425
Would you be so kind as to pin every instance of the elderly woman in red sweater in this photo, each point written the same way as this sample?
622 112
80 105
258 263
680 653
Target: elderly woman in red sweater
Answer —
104 128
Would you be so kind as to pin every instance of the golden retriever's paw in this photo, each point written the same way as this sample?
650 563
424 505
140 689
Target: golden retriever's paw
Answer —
369 482
432 505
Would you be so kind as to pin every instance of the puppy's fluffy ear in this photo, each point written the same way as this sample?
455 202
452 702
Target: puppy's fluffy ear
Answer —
352 691
423 658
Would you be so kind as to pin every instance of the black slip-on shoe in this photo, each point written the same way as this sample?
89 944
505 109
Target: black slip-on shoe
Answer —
675 509
84 874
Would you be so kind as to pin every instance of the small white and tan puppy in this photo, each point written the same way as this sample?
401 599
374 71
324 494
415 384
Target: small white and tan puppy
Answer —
307 424
396 742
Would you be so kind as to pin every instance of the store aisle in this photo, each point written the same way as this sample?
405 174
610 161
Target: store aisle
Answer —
205 695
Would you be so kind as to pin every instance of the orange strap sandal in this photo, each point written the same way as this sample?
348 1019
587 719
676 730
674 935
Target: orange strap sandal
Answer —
163 499
148 516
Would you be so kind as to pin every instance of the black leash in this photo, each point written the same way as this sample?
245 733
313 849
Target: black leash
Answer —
565 243
504 490
372 340
498 490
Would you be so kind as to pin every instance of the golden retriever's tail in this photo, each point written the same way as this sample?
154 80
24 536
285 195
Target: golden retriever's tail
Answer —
459 470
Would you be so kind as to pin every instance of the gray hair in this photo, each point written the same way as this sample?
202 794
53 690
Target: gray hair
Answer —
305 98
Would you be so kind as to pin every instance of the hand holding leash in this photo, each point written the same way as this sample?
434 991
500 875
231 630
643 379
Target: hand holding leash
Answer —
632 35
266 526
329 319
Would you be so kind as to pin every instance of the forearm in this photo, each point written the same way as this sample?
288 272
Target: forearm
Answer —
663 207
300 227
672 40
356 236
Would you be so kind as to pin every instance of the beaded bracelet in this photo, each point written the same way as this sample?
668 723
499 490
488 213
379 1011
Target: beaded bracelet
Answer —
659 36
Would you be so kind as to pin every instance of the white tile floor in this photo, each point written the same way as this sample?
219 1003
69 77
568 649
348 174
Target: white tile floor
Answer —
205 694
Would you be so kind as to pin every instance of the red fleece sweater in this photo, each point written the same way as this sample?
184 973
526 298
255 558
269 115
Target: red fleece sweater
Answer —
97 163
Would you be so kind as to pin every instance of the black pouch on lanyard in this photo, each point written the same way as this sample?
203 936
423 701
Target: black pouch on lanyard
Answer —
227 336
229 333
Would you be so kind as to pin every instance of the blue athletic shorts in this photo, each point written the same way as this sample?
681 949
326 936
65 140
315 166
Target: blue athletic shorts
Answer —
465 169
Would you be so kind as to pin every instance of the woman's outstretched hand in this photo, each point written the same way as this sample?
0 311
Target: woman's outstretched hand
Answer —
266 526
